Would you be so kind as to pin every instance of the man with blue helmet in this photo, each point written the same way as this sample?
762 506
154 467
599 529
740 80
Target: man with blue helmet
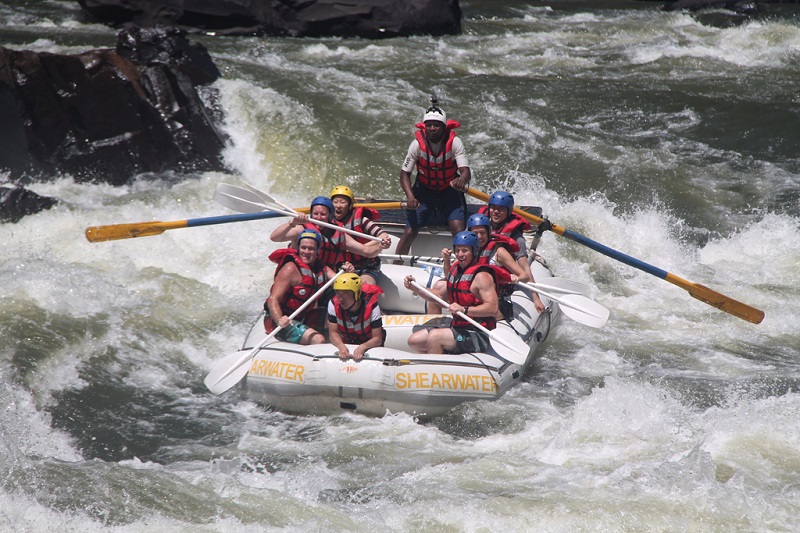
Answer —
471 289
443 172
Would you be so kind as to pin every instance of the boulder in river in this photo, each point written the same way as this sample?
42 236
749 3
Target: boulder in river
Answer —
107 115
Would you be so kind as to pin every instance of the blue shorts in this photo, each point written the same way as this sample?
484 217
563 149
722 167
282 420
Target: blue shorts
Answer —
376 274
292 333
435 207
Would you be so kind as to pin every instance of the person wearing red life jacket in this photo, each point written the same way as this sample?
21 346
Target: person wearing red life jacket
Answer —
298 276
443 173
506 222
354 316
471 289
361 219
495 250
333 241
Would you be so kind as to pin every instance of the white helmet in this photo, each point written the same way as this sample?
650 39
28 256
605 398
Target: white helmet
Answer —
435 113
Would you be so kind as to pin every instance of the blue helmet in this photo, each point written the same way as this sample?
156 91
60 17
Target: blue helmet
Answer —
467 238
310 234
479 220
503 199
324 201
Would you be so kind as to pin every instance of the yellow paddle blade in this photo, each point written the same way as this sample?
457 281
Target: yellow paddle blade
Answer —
720 301
129 231
700 292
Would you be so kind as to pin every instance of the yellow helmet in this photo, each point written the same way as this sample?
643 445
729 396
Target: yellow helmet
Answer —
343 190
348 282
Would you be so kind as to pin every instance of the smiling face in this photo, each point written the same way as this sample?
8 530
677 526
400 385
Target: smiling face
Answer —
463 254
320 212
482 232
497 214
341 207
307 250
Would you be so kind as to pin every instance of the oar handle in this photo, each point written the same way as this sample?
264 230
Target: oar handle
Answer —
343 229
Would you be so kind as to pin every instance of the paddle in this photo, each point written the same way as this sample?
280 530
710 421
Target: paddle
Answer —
234 367
247 201
511 349
145 229
558 285
700 292
579 308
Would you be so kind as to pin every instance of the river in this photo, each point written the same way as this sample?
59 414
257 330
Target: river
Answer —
668 140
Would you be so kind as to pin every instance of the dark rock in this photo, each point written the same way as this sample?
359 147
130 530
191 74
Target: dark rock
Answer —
107 115
16 202
742 7
298 18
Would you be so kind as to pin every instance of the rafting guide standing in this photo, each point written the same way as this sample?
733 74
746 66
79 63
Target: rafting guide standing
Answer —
443 172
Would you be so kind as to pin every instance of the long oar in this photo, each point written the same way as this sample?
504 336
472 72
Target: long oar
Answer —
235 366
579 308
244 200
145 229
700 292
511 349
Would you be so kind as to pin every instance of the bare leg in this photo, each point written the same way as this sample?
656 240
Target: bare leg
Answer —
418 341
433 307
312 336
404 244
456 225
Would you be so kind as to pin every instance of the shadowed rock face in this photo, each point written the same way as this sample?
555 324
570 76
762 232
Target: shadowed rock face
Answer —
107 115
16 202
297 18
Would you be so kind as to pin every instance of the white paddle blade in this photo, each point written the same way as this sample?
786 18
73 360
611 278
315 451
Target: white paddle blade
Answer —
562 286
584 310
228 372
509 346
239 199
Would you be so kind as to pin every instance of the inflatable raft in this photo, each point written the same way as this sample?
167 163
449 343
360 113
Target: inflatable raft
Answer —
313 380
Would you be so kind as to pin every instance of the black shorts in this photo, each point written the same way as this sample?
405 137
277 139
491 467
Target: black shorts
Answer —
470 340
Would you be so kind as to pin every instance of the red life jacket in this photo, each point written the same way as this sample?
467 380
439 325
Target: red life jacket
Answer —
497 241
357 329
459 283
358 219
313 277
332 244
513 223
436 171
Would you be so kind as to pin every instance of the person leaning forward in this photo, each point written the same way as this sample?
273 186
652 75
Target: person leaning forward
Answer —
361 219
442 174
298 276
471 289
354 316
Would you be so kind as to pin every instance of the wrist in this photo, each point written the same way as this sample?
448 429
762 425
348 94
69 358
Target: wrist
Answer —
466 310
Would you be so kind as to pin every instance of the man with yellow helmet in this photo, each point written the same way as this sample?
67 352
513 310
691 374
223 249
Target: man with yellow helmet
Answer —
354 316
